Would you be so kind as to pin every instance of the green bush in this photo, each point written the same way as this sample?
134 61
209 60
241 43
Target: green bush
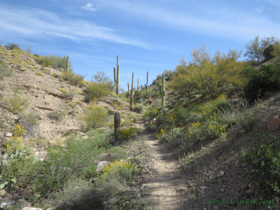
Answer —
12 46
93 117
138 108
128 133
152 127
96 90
261 81
16 103
265 161
72 78
56 115
52 61
151 112
4 70
117 153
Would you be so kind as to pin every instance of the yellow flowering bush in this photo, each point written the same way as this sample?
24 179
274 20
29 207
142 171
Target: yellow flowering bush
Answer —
122 169
128 133
39 73
18 130
14 143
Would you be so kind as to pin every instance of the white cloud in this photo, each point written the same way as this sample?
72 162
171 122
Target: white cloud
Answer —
89 7
38 23
212 19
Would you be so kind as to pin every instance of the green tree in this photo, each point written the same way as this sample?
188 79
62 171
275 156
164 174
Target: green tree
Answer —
210 76
100 77
256 48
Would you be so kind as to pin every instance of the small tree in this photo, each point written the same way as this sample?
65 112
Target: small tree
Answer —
12 46
256 48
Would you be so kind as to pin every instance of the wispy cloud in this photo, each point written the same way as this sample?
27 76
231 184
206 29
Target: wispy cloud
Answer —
206 19
89 7
38 23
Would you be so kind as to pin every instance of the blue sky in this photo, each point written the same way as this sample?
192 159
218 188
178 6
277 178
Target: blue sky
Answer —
148 35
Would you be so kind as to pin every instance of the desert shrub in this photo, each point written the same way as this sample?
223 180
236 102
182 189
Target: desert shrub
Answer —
12 46
46 71
59 115
13 144
117 153
122 170
39 73
174 137
127 123
68 94
138 108
96 90
210 76
72 78
128 133
261 81
4 70
151 112
32 118
72 161
248 118
110 112
52 61
93 117
20 168
152 127
265 162
55 75
16 103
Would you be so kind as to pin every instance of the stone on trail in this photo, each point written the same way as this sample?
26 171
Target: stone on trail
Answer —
274 124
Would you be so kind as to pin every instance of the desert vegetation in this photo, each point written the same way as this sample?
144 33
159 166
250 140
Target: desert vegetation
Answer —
195 112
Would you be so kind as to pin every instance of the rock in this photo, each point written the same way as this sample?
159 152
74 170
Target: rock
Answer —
7 203
244 187
220 174
9 134
250 192
27 193
101 165
23 203
122 121
2 192
274 124
203 187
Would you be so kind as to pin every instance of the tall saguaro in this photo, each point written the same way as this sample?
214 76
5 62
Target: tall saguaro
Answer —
67 64
162 90
147 87
137 86
117 76
131 92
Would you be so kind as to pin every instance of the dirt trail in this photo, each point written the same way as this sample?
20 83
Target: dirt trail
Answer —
164 183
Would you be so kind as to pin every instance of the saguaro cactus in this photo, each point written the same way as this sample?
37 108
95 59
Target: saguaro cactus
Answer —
147 87
67 64
117 123
131 92
137 86
149 95
162 90
117 76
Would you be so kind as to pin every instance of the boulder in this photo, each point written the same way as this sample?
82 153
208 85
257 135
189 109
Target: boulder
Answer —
101 165
274 124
